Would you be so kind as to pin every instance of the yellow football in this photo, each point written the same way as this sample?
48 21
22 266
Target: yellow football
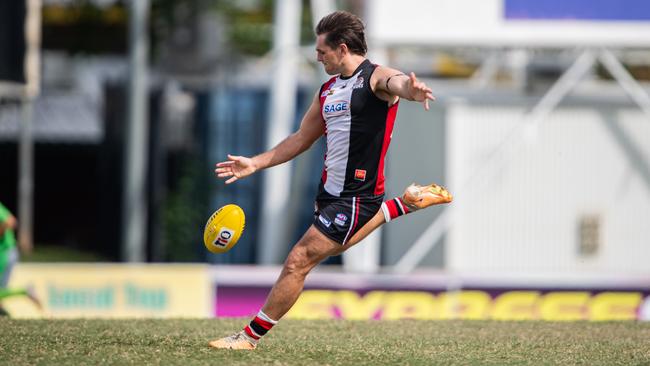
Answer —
224 228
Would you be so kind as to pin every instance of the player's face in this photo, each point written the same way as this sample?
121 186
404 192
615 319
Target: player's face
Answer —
329 57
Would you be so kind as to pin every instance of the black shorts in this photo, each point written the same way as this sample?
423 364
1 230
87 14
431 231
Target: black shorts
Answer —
340 217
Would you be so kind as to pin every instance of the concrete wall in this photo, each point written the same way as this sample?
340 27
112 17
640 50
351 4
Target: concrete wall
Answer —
522 210
417 154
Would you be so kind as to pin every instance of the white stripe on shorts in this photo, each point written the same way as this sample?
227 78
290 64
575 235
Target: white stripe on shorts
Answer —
354 210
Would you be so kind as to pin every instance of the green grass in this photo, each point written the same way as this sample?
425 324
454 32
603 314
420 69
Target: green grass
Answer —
294 342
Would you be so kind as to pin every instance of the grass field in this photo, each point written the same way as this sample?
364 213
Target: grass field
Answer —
294 342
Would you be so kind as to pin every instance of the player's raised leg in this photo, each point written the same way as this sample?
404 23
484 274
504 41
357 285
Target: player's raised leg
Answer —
415 197
310 250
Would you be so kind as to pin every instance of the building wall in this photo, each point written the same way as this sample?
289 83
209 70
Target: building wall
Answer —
522 207
417 154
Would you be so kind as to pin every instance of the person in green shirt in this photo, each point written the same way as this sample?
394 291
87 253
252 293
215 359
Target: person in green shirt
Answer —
8 258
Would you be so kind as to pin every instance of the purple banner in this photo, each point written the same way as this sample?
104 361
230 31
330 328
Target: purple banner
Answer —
235 301
467 303
599 10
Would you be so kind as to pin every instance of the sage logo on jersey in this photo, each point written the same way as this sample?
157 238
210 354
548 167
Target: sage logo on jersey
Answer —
336 108
340 219
224 237
325 221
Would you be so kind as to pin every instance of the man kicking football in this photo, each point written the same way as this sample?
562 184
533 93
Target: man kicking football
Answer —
355 110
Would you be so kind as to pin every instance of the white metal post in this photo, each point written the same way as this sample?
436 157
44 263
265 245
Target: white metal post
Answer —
134 200
627 82
276 189
26 142
26 177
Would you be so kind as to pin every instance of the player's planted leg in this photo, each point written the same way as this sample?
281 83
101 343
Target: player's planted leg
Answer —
310 250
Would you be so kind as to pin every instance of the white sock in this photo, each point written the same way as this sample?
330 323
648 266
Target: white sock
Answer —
265 317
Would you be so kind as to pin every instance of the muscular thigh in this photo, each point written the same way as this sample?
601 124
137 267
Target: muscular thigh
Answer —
315 246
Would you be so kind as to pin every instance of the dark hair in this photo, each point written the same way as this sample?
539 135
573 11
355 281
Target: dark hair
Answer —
343 27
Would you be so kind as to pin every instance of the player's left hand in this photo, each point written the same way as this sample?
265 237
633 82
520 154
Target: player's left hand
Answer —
419 91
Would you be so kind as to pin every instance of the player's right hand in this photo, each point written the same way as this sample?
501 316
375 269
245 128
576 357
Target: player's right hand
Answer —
235 168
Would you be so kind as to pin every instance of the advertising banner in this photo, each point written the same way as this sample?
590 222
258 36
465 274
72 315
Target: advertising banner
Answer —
510 23
242 292
515 304
112 291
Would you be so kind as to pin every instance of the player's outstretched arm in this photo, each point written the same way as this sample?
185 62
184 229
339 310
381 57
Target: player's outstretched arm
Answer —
390 83
311 128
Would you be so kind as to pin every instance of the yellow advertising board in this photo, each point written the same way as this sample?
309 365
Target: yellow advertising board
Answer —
112 291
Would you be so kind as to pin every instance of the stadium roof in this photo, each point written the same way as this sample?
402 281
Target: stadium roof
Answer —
63 118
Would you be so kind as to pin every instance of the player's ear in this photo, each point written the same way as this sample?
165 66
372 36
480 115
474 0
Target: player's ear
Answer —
343 48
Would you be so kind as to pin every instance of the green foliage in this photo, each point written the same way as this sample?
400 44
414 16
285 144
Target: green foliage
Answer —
294 342
251 25
85 27
84 11
184 215
250 29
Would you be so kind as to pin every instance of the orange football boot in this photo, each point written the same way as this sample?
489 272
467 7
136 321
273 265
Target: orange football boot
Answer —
416 196
238 340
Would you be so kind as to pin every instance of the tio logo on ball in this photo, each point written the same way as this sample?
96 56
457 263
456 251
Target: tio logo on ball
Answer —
223 239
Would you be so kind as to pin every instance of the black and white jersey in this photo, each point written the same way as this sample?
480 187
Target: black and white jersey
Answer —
359 128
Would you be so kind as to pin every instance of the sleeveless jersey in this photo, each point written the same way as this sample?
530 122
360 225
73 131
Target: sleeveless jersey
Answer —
358 129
